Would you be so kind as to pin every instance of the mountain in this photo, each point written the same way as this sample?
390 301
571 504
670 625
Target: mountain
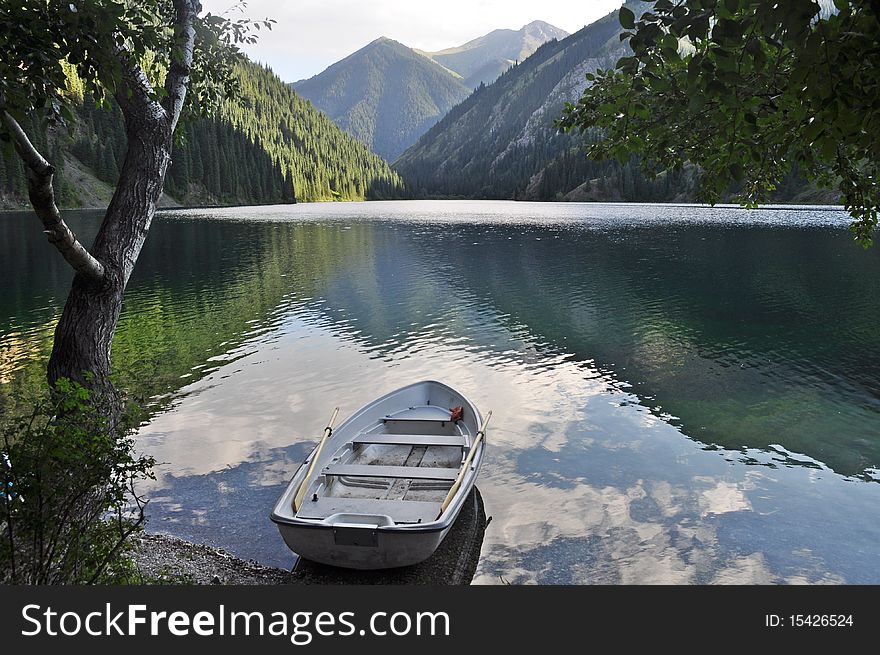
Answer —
482 60
496 142
272 147
502 142
385 94
325 163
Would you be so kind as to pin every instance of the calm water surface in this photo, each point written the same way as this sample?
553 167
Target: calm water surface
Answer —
681 394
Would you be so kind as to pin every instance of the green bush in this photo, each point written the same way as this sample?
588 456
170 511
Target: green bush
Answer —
68 502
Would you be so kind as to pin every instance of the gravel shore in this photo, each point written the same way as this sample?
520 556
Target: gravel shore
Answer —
169 560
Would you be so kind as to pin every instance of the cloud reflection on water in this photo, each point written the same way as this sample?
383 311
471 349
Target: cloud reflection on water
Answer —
585 484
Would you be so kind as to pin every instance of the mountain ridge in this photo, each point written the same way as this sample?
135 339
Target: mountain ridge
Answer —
387 95
384 94
493 143
483 59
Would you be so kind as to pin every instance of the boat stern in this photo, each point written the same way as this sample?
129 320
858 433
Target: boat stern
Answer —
361 542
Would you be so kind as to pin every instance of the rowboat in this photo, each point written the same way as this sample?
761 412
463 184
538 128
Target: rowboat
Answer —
384 488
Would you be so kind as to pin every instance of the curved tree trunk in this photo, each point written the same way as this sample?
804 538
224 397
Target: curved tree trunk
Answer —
84 335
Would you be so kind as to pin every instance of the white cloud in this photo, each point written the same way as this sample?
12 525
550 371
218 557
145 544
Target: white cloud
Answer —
312 34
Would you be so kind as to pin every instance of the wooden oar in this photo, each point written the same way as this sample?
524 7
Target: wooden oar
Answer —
464 467
297 500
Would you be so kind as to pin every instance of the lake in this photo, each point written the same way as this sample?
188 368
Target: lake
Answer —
681 394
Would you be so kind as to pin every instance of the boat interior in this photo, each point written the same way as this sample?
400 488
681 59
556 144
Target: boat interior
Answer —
396 471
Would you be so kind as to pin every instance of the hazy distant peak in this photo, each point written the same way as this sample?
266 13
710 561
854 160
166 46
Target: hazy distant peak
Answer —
542 27
385 41
484 58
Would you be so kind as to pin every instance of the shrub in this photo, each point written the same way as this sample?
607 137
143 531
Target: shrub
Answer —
68 502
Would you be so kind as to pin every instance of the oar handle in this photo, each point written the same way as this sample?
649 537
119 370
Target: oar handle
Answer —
301 492
465 466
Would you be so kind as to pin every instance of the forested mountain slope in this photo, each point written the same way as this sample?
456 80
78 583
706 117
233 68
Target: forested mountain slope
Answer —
496 141
271 147
325 162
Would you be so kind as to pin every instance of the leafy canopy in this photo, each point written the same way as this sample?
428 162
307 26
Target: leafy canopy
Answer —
745 89
42 40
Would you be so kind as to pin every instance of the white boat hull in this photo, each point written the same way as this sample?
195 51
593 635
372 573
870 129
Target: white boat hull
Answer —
344 521
391 548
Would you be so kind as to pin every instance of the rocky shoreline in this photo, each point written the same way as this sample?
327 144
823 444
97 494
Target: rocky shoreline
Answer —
164 559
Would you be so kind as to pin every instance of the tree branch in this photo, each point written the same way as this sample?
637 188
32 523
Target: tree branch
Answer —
177 80
42 195
136 95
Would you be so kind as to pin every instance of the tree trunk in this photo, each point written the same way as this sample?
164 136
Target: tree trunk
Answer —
84 335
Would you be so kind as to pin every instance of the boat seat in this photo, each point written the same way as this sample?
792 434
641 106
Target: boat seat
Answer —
401 511
402 472
417 419
411 440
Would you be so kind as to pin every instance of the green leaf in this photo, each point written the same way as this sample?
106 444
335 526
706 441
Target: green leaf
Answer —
696 102
813 130
669 41
736 171
627 18
628 64
828 148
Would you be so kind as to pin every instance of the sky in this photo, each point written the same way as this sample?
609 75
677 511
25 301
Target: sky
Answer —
312 34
